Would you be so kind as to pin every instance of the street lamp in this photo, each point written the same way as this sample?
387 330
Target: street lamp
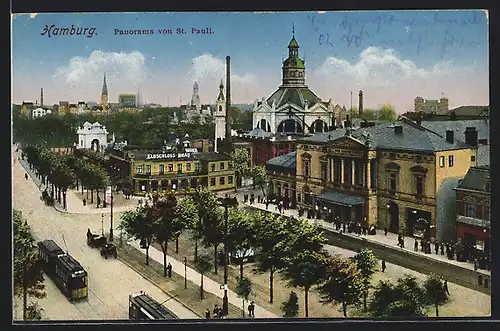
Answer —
111 218
226 203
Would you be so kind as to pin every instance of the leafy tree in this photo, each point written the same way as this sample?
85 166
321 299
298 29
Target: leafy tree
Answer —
203 265
188 214
34 312
306 269
241 232
273 245
368 114
406 298
243 290
241 164
366 263
27 274
138 224
435 291
387 113
290 307
164 215
344 283
259 176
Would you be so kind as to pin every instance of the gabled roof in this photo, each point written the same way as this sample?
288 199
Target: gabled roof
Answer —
477 179
286 161
470 111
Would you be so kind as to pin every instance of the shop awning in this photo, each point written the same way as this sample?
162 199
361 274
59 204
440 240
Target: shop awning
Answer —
340 198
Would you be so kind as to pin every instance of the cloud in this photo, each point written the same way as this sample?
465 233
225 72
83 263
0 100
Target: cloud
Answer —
384 76
124 67
378 67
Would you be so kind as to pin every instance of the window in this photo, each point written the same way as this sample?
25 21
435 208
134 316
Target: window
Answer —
148 170
197 167
222 180
419 181
139 170
229 179
212 181
179 167
213 166
486 213
451 160
188 166
324 171
170 168
306 169
222 166
162 169
393 180
441 161
470 210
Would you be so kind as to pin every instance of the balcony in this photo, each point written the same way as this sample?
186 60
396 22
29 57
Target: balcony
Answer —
473 221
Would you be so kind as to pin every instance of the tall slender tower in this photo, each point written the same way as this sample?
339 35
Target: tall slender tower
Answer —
195 99
41 97
360 107
220 117
104 94
228 141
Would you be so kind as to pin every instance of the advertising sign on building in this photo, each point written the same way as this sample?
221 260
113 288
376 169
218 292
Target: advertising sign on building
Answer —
108 195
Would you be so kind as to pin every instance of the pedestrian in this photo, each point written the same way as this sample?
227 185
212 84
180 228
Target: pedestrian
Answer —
169 270
442 248
383 266
475 264
267 204
84 202
249 310
436 247
402 242
252 306
385 231
207 314
415 248
445 287
216 311
26 176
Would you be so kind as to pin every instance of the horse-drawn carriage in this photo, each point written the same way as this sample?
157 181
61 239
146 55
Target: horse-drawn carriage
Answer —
97 241
47 198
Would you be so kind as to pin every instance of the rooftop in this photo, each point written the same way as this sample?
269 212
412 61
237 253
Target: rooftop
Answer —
477 179
412 138
295 95
287 161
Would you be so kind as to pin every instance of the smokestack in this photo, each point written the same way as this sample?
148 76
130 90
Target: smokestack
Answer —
360 107
228 143
41 97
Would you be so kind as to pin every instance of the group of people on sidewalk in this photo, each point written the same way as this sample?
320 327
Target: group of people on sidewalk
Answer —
219 314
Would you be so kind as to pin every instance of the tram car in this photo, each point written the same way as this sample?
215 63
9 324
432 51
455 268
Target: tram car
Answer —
67 273
143 307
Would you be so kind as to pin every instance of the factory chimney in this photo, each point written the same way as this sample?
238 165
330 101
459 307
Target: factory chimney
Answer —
41 97
360 107
228 143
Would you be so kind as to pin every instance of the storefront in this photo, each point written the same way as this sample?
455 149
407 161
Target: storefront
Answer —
333 203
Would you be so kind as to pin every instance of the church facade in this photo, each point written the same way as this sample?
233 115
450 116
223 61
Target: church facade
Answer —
293 109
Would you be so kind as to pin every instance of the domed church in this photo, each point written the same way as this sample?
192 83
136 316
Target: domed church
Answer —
293 109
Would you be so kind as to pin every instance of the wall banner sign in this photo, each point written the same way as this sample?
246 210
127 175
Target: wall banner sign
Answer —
170 156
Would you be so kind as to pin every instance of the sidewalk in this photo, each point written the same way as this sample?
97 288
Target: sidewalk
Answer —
389 241
194 277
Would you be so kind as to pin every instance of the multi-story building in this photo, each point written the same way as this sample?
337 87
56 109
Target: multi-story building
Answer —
435 107
473 209
26 108
399 176
127 100
178 171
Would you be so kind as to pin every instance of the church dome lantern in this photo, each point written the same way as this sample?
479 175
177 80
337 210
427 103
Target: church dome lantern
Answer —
293 67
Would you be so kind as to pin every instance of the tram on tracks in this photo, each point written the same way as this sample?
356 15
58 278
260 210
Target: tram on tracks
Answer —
143 307
68 274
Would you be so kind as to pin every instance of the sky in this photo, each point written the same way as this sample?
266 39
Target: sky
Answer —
393 56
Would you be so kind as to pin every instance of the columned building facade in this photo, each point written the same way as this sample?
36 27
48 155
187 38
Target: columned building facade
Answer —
397 176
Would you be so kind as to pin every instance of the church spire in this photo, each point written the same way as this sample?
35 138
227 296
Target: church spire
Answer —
104 86
221 91
293 30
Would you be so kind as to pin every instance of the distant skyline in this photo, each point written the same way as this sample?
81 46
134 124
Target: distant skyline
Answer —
393 56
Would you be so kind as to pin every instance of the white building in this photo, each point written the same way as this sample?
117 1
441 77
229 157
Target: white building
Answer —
93 136
294 108
39 112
